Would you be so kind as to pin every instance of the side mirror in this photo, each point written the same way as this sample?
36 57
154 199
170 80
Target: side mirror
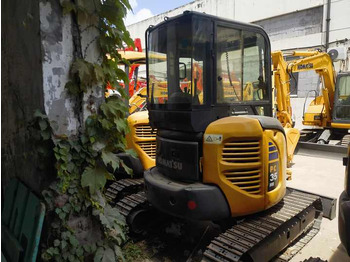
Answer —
182 70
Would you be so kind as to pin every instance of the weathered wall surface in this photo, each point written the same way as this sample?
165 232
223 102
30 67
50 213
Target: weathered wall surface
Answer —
21 92
57 47
37 52
58 52
295 30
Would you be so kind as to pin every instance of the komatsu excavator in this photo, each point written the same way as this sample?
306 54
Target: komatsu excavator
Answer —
220 153
329 111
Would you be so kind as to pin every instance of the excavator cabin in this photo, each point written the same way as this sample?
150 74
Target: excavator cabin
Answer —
206 68
209 97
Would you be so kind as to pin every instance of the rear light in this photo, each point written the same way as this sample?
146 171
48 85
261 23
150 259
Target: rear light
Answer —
191 205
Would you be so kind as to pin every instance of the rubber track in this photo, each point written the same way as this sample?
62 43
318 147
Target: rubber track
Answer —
239 239
119 189
131 203
299 243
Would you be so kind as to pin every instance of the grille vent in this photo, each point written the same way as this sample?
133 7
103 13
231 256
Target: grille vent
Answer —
241 152
149 147
145 131
247 153
247 180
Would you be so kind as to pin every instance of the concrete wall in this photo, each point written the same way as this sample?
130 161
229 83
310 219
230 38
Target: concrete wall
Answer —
58 51
37 51
57 47
295 30
21 93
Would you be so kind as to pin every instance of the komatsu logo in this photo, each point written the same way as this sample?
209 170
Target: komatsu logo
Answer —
169 163
306 66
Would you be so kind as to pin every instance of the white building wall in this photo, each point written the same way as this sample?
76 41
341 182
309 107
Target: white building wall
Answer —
297 24
256 10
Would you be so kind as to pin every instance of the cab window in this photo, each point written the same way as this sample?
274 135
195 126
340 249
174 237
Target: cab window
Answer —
240 66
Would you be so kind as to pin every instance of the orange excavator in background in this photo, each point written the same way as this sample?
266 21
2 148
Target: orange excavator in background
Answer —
136 61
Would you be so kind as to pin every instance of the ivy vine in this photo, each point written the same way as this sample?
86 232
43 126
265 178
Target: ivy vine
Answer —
83 225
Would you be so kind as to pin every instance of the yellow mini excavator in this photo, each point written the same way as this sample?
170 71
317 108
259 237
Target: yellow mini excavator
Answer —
220 153
329 111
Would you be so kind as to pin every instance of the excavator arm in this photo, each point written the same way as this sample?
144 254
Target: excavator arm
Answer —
322 64
284 109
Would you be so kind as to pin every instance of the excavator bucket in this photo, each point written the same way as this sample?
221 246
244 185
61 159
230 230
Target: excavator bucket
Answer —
292 135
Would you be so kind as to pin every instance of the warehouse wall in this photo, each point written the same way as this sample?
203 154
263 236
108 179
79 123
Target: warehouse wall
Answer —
241 10
297 24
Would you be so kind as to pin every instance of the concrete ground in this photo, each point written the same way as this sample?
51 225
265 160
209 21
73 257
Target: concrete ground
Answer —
320 173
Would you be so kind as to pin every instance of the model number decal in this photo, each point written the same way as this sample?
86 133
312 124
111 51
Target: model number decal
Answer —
212 139
273 176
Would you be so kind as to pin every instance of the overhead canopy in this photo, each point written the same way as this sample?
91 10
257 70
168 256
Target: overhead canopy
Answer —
133 57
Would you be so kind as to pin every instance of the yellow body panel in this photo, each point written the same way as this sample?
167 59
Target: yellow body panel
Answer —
340 125
229 171
142 138
315 114
136 102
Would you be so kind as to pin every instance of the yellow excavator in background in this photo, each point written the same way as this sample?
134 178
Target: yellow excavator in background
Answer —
329 111
141 137
282 102
223 157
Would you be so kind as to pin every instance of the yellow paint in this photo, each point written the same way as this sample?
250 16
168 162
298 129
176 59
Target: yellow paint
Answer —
134 141
247 133
340 125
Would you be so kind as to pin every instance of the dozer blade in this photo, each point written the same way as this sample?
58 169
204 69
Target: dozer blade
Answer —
329 149
263 236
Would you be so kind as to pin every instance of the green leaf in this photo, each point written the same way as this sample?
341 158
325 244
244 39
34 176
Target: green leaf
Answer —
99 75
118 253
107 125
70 166
108 255
94 178
110 217
79 251
111 159
73 240
71 258
43 124
46 134
99 254
84 139
132 153
38 114
122 125
121 75
68 6
62 215
63 244
56 242
72 88
126 168
84 70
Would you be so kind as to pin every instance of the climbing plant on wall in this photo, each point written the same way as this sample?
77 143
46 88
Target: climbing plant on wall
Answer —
83 225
